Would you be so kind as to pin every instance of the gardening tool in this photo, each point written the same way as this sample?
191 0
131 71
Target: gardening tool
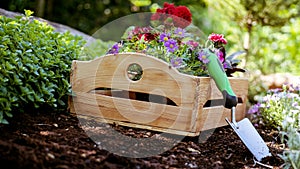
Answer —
244 128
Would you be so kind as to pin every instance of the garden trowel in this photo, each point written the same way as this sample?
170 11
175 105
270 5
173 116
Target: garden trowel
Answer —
244 128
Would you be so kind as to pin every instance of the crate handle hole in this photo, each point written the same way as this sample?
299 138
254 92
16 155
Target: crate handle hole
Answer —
219 102
134 72
139 96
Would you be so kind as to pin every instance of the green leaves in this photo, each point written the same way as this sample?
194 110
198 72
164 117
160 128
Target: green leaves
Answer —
28 12
34 66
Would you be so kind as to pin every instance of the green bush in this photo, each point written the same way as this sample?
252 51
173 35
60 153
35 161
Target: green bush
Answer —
35 65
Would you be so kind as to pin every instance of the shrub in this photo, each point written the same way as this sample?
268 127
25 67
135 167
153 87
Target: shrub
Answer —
35 65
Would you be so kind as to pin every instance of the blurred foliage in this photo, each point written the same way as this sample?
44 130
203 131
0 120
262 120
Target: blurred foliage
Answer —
266 30
84 15
96 49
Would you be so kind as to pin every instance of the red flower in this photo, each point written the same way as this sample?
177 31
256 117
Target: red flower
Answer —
147 36
184 17
166 5
162 14
180 15
217 38
169 8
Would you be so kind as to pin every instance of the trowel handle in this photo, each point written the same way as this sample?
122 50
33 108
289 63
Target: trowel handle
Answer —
217 72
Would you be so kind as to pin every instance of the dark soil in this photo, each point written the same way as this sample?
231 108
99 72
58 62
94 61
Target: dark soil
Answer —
64 141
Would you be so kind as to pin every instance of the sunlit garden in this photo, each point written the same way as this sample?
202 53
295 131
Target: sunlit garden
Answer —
195 73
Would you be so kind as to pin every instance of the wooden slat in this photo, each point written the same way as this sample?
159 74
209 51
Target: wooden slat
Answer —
159 129
213 117
126 110
209 90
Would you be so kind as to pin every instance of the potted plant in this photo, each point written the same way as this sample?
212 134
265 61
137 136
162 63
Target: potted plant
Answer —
166 66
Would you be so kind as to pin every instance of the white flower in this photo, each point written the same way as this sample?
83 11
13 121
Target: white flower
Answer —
289 120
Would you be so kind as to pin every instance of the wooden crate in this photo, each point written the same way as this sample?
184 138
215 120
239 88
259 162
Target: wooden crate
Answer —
104 92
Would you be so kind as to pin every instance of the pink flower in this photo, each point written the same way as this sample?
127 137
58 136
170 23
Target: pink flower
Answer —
192 44
217 38
220 55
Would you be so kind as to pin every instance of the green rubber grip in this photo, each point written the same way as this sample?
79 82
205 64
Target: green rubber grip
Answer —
216 71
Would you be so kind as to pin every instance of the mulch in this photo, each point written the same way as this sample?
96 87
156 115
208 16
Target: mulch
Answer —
63 141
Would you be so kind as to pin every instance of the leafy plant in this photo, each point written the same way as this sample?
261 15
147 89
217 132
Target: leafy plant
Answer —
95 49
280 109
35 65
277 105
291 156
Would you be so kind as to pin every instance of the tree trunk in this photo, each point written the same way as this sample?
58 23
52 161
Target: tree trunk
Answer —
40 8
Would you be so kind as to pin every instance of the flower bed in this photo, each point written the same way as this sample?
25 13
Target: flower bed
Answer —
280 110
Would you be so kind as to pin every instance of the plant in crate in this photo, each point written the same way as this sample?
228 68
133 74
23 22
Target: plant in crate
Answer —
132 69
172 38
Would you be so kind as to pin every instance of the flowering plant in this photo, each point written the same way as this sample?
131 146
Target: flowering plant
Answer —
277 106
280 109
171 38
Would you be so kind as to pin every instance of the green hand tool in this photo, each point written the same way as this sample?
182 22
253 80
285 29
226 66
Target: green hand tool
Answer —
244 128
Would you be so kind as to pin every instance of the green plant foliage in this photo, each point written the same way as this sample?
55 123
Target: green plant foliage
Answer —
95 49
291 136
280 109
277 105
35 65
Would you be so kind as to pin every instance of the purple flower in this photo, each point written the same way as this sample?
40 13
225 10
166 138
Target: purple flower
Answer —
220 55
180 32
171 45
275 91
226 65
202 56
114 49
164 37
254 109
295 104
297 88
177 62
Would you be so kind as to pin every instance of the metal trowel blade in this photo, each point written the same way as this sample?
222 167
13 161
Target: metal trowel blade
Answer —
250 137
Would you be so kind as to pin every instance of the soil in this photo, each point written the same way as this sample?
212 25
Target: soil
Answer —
64 141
